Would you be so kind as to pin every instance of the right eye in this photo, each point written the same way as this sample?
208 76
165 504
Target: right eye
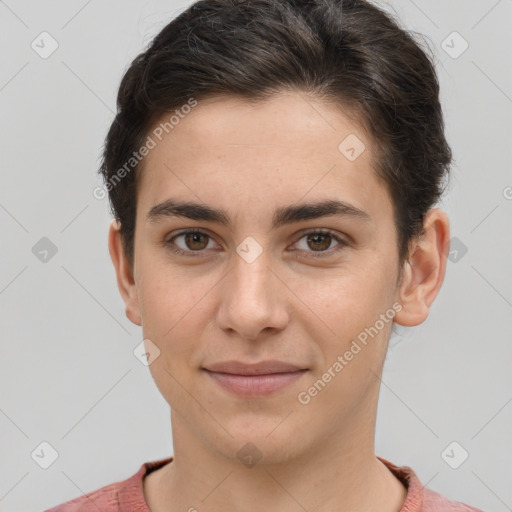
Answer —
194 241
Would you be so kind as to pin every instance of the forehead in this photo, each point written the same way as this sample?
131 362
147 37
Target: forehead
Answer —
282 120
277 150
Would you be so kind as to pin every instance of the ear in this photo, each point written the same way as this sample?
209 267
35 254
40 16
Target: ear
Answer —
125 280
424 270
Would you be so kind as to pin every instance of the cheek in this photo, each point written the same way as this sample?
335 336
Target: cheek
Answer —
350 338
173 316
346 300
175 310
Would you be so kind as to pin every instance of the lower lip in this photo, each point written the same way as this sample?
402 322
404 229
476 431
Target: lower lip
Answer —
255 385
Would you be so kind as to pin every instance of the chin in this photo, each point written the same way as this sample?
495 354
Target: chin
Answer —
255 446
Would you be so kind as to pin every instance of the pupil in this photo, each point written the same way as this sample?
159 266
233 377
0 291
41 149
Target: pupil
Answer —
194 237
325 237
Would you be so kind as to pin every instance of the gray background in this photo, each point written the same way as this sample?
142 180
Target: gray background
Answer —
67 372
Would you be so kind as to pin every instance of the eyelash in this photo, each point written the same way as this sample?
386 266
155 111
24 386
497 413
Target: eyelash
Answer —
314 254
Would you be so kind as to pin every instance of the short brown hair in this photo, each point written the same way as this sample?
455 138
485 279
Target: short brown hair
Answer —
346 51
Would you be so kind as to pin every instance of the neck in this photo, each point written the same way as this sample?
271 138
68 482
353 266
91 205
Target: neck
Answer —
341 475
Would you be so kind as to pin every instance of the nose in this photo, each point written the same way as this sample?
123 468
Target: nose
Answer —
253 299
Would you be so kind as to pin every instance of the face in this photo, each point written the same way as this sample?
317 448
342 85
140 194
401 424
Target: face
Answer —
268 277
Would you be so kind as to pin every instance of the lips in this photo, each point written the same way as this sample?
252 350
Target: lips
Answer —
261 368
251 380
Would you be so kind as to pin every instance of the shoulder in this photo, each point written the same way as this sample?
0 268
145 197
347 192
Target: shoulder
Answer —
421 499
435 502
106 499
115 497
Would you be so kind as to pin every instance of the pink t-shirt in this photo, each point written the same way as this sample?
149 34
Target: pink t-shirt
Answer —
128 496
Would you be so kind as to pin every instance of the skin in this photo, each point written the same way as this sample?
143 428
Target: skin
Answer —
249 159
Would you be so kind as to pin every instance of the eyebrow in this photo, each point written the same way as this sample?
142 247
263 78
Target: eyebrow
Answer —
282 216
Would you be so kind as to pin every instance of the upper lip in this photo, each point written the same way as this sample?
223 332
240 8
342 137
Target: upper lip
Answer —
261 368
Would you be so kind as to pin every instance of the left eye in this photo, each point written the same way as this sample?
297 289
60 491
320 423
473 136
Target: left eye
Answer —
195 241
320 241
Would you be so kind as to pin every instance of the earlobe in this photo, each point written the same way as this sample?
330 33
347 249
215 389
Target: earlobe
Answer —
424 270
124 274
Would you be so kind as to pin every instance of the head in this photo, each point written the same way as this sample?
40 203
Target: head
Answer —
304 144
